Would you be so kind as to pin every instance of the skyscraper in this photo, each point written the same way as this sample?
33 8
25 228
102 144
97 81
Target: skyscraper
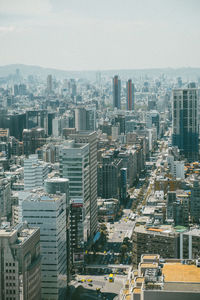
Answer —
116 92
130 101
90 138
74 165
48 212
195 202
185 122
49 84
85 118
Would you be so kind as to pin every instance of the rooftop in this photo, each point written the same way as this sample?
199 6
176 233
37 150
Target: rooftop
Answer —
164 230
177 272
153 256
149 265
136 291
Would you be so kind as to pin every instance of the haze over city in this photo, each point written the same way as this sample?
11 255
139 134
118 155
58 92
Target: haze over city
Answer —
100 35
99 150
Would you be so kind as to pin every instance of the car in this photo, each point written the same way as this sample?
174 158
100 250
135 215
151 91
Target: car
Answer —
90 284
89 280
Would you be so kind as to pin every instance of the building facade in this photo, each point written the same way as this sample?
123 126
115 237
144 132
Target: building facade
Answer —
35 172
90 137
130 101
185 131
48 212
116 92
20 266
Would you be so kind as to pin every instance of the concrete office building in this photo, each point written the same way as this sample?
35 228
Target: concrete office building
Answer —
116 92
195 202
109 177
90 138
20 267
49 84
5 198
57 185
74 165
77 234
189 243
153 120
35 172
185 131
162 240
85 118
32 139
48 212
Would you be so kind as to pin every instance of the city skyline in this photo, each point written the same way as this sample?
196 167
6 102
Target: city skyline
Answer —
100 35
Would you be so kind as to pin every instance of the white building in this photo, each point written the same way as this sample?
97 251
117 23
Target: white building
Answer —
48 212
35 172
74 165
176 167
58 124
20 268
115 133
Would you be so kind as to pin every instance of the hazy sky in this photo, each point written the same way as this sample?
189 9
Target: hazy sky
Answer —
100 34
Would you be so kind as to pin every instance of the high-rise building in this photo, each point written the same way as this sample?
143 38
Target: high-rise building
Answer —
22 89
35 172
49 84
32 139
85 118
195 202
5 198
90 138
153 119
48 212
130 95
20 266
123 184
121 121
116 92
76 233
185 122
74 165
56 185
109 177
15 122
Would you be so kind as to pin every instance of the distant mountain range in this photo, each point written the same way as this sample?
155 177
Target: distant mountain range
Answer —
25 70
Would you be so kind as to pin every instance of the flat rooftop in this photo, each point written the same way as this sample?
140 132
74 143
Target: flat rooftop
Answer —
164 230
149 265
150 256
136 291
140 279
177 272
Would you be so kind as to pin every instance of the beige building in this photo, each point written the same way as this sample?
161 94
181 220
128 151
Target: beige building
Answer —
158 279
20 276
162 240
